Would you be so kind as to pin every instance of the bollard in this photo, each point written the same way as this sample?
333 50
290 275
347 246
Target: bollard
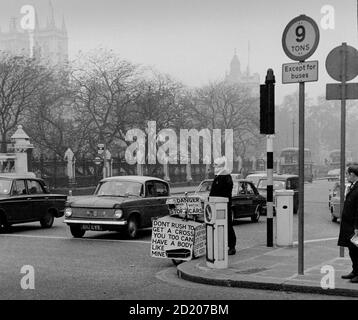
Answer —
215 213
284 217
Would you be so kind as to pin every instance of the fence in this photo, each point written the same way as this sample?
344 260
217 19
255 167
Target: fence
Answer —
87 173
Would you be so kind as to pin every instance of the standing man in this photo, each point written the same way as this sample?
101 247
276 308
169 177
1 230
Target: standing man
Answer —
349 221
222 187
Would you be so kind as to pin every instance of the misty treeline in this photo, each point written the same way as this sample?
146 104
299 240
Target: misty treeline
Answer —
99 96
322 126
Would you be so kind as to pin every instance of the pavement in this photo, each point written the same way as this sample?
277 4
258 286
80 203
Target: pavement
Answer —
276 268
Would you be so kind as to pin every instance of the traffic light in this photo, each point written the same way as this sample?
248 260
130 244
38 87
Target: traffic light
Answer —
267 105
263 109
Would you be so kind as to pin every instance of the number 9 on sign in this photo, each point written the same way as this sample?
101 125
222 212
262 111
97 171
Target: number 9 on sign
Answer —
300 38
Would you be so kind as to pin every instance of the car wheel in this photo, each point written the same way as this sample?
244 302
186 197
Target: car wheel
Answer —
4 226
233 217
77 232
334 219
47 220
257 214
132 227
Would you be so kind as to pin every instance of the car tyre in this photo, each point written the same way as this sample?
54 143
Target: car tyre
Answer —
77 232
256 216
132 227
47 220
233 217
4 226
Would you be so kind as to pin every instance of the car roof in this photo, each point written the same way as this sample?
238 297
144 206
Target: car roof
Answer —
133 178
12 176
236 180
282 176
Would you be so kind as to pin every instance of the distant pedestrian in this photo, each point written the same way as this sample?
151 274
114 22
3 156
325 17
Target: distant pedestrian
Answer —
222 187
349 221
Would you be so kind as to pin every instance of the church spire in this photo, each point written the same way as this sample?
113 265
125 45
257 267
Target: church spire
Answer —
248 59
12 26
64 28
51 24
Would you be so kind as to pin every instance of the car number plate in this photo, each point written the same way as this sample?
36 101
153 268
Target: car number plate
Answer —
92 227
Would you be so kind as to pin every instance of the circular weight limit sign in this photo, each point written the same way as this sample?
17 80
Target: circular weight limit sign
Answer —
300 38
335 63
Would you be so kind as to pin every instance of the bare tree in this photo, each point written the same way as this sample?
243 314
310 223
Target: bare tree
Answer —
21 81
103 87
228 106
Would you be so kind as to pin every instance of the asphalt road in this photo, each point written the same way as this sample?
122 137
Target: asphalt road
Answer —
106 266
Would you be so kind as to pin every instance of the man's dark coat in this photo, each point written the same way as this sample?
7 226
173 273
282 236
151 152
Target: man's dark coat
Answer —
222 187
349 220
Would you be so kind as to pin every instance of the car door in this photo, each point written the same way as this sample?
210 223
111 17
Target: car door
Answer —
39 199
162 194
253 196
240 202
19 207
149 204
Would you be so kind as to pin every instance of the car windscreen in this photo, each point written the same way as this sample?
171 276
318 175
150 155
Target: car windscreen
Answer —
277 184
5 186
119 189
205 186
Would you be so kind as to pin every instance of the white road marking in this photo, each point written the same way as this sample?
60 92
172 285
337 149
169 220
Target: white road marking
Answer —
317 240
67 238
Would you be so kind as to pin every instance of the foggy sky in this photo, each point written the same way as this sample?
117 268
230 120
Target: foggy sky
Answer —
194 40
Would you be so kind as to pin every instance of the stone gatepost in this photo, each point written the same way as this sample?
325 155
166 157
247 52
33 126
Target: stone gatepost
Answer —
21 142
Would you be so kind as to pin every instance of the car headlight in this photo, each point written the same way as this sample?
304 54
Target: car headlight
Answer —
68 212
118 213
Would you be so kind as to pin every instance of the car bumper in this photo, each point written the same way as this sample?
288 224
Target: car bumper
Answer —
96 222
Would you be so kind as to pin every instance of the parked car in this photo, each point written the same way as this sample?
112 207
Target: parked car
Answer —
281 182
246 200
334 201
122 203
25 198
333 174
255 177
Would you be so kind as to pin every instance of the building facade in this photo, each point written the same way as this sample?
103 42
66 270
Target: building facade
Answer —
49 44
244 78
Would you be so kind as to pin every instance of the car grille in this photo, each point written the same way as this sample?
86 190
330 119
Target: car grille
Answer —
92 213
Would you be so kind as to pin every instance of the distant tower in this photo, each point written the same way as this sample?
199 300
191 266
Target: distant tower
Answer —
235 69
245 79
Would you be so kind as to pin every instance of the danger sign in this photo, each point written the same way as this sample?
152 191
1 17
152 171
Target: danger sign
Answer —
177 239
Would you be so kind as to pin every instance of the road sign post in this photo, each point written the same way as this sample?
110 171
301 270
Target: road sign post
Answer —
299 41
342 65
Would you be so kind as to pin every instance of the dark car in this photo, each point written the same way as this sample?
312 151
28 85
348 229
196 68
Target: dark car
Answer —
122 203
246 200
24 198
281 182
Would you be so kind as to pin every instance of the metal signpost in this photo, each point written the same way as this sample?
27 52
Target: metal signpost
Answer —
299 41
342 65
